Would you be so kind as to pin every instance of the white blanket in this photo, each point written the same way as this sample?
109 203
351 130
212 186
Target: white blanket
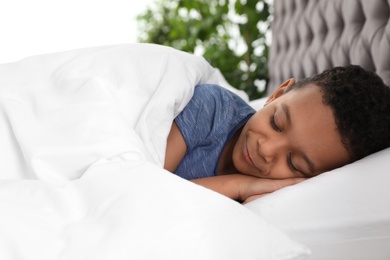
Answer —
68 110
83 136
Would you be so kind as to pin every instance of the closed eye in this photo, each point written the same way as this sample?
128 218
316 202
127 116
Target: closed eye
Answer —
274 125
292 166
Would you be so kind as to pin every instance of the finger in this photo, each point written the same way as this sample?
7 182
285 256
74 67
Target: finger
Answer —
252 198
270 185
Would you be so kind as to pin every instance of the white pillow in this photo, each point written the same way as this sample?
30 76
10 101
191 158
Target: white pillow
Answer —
341 214
257 104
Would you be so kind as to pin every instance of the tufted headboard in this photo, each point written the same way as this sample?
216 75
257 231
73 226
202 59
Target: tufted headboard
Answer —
309 36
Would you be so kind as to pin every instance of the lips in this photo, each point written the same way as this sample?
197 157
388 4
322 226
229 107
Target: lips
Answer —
247 156
260 169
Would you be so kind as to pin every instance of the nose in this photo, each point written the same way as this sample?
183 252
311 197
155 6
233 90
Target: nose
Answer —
271 148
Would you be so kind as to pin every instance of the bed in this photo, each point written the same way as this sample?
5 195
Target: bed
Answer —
83 136
345 213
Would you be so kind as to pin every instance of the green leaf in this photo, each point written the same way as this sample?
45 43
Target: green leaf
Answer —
208 25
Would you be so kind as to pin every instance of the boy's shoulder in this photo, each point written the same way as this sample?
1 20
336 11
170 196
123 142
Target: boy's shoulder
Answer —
212 110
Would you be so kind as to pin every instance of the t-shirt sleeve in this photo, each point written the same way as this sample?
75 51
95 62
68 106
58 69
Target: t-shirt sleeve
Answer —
198 117
207 123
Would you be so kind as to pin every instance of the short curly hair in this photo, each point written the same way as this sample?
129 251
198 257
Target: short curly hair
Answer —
360 102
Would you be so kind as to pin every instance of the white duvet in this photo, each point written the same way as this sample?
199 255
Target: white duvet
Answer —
83 137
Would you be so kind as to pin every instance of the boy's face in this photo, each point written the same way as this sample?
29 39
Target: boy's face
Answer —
295 135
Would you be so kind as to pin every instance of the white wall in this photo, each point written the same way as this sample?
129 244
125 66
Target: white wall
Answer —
30 27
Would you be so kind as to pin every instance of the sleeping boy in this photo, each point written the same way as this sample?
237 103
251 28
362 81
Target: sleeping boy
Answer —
306 128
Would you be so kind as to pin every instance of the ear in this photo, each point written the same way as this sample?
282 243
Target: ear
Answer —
280 90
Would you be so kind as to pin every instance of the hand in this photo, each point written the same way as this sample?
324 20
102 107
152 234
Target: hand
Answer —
255 187
254 197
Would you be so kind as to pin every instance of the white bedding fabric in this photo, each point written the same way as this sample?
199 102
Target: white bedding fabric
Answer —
83 138
341 214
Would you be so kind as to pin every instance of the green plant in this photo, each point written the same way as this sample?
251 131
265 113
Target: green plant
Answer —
231 35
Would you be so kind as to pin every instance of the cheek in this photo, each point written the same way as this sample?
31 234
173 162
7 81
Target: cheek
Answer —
281 170
238 147
256 123
238 158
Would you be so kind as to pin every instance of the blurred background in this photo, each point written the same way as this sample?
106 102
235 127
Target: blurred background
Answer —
233 35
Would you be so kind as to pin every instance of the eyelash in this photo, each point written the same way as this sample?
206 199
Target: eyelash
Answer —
290 164
274 125
277 129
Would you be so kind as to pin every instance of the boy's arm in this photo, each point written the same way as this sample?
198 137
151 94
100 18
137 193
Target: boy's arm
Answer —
235 186
176 148
241 187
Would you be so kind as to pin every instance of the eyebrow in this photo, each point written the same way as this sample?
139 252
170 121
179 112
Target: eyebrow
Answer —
287 113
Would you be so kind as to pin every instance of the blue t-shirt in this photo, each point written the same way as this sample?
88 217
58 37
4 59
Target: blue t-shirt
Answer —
207 123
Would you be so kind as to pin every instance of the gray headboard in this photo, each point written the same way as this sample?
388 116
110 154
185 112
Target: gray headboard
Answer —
309 36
